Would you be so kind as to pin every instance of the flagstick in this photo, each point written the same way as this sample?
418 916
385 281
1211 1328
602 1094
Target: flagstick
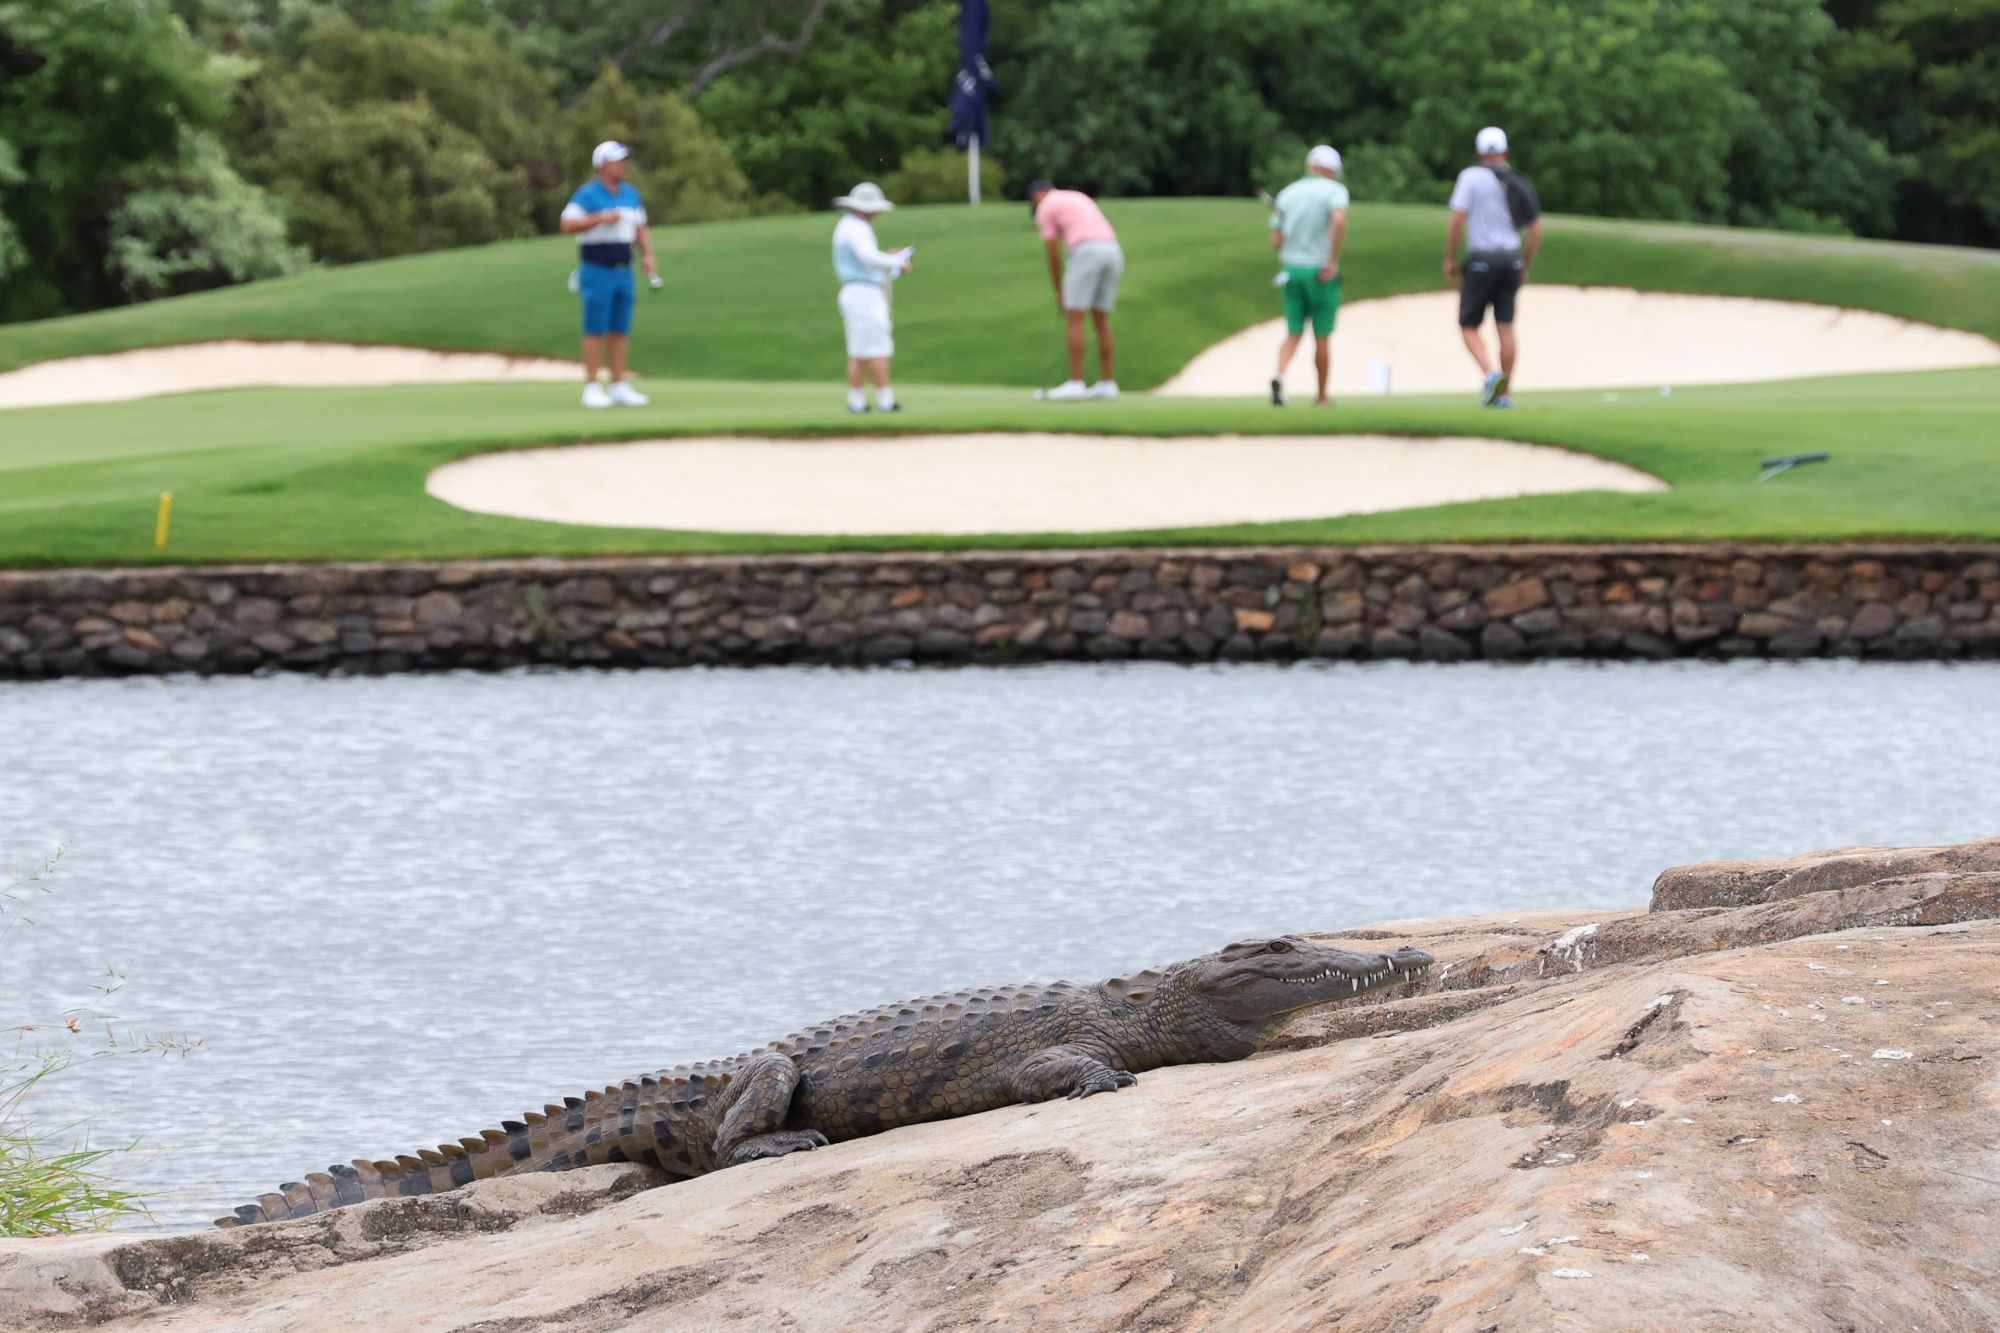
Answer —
972 168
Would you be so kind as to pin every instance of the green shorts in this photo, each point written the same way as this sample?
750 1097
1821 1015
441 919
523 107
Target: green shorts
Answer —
1306 295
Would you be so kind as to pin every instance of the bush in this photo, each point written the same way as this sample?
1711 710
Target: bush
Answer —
195 225
684 172
88 92
939 176
1084 111
385 143
869 89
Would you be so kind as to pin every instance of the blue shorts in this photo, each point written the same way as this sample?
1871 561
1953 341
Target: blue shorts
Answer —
607 299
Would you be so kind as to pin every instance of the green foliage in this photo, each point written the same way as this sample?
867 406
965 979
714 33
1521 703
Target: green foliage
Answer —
49 1187
1609 109
383 143
87 93
671 44
683 171
1924 76
1704 110
13 250
197 224
386 127
846 109
938 176
1711 109
1082 108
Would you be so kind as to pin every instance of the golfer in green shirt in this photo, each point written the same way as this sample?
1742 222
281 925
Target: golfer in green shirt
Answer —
1308 224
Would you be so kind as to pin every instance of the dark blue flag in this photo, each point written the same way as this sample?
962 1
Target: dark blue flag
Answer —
973 90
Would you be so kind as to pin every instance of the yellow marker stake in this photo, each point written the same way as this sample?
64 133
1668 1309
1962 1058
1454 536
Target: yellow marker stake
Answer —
166 516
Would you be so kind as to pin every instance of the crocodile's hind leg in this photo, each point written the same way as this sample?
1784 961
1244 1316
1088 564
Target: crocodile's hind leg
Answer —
755 1125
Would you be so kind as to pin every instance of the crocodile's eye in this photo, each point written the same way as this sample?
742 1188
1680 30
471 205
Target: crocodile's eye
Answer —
1278 946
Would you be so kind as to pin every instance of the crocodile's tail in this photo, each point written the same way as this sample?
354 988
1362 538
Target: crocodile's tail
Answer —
625 1123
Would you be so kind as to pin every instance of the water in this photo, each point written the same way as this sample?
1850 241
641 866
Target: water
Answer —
399 910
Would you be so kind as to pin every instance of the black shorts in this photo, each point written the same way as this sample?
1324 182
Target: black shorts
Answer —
1492 278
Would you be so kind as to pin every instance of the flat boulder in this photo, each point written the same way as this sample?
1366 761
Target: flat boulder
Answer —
1739 883
1782 1112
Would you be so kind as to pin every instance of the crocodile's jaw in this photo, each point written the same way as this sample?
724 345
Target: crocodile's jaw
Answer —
1379 972
1267 980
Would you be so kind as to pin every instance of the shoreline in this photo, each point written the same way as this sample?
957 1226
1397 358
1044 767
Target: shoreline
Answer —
1439 603
1650 1108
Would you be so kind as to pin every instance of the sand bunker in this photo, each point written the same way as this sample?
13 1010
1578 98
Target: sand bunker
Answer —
1591 337
1007 483
148 371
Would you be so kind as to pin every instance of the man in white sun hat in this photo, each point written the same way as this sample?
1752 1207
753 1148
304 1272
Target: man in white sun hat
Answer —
1308 227
1497 211
607 220
865 272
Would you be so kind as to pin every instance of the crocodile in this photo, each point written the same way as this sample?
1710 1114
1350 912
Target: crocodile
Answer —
901 1064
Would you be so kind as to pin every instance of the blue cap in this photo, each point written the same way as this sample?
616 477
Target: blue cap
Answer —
1035 188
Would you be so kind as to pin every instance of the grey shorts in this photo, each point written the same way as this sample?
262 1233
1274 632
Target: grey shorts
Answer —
1091 280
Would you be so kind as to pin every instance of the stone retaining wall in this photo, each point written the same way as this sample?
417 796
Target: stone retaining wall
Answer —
1433 603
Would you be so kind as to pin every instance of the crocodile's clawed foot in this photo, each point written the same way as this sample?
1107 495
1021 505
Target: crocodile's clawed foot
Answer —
780 1144
1109 1080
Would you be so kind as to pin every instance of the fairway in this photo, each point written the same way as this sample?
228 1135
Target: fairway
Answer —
748 318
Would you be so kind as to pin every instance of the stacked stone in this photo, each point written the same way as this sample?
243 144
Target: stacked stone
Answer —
1429 603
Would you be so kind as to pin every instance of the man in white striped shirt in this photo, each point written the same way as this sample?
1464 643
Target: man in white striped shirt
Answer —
607 219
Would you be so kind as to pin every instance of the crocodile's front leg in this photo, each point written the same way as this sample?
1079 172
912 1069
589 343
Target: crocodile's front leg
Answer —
1067 1071
755 1125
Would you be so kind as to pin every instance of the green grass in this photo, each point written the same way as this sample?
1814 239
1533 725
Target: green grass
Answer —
749 317
338 474
50 1187
754 300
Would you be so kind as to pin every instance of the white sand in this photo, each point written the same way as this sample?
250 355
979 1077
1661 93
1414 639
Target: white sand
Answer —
235 365
1589 337
1007 483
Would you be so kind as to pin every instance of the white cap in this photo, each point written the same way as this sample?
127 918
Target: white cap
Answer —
866 197
1490 140
1325 158
609 151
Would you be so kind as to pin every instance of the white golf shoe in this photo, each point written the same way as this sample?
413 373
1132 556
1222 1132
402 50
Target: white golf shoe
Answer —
624 395
594 396
1104 391
1069 391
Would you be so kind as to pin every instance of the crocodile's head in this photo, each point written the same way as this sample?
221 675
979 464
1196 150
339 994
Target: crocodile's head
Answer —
1256 982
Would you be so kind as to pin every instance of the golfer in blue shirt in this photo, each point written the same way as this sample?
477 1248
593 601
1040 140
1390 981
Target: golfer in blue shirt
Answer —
607 219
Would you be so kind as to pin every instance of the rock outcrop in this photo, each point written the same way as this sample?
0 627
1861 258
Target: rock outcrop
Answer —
1739 883
1784 1114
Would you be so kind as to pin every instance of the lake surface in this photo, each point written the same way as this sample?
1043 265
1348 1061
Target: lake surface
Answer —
399 910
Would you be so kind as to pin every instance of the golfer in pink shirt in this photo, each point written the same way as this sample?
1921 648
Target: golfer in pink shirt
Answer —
1071 220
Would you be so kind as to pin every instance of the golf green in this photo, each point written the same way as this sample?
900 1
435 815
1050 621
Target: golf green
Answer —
271 474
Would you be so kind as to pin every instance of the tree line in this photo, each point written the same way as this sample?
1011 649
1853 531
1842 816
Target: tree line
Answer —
150 147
